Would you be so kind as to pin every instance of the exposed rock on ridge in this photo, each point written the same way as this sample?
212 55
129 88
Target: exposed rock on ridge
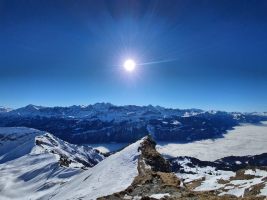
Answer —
154 175
155 179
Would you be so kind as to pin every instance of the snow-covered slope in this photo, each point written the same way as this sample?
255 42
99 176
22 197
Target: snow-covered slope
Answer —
68 154
113 174
50 168
19 141
33 163
16 142
32 177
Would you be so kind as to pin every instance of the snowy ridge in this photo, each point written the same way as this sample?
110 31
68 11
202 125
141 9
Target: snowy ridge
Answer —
77 156
19 141
35 163
16 142
113 174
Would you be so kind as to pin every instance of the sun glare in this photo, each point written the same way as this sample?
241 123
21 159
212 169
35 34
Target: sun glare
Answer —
129 65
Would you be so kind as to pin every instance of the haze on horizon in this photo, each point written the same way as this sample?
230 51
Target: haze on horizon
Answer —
187 54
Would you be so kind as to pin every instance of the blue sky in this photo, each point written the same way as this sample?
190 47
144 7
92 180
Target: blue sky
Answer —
202 54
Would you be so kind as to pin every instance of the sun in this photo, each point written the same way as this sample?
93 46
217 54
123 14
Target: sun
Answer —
129 65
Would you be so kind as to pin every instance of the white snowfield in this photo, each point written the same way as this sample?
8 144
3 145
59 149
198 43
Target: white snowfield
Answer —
108 147
16 142
113 174
32 177
244 140
30 171
159 196
209 174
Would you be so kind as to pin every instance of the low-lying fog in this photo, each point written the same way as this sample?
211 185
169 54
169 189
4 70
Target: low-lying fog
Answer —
243 140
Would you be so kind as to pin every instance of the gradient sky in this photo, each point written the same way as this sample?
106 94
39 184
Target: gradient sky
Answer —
201 54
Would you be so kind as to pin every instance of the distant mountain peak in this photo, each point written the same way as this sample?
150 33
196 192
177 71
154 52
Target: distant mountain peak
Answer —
31 106
4 109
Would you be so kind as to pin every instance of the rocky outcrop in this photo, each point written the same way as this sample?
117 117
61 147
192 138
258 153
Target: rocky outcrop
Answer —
151 158
154 175
156 181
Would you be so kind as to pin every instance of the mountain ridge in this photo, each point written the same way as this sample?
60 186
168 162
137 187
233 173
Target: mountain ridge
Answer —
137 172
35 163
110 123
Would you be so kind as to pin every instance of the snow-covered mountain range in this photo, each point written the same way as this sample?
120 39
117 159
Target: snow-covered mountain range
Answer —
103 111
104 122
37 165
41 161
4 109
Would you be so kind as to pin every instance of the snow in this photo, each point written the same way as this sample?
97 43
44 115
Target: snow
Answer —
113 174
159 196
211 181
263 191
4 109
108 147
32 177
16 142
19 141
256 172
175 122
209 174
225 182
32 170
238 192
77 154
211 177
189 114
241 186
103 111
241 141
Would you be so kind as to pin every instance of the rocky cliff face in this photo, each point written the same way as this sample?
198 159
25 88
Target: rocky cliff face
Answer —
151 158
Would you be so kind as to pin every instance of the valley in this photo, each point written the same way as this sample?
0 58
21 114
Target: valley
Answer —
243 140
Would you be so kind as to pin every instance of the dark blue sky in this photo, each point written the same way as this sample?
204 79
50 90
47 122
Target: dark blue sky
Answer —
202 54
